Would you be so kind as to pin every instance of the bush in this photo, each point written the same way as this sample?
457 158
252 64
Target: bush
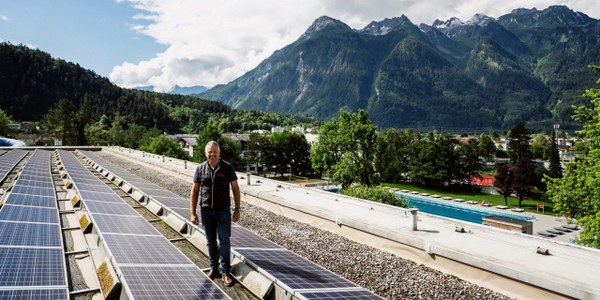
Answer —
377 194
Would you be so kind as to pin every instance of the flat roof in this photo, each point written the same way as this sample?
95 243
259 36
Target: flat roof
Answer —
570 270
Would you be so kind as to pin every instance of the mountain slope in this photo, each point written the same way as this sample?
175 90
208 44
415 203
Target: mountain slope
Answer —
31 82
529 65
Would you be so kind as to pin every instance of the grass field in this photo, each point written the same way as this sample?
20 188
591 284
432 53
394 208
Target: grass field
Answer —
527 204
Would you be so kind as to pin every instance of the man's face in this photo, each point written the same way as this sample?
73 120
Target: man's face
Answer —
212 154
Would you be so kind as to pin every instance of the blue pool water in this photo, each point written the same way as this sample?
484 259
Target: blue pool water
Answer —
455 211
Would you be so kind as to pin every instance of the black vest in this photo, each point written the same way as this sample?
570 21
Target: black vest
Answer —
214 184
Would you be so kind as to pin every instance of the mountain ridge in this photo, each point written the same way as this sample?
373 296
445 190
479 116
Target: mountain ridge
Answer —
479 66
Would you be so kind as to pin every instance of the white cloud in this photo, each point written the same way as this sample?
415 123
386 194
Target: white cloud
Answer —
214 41
4 18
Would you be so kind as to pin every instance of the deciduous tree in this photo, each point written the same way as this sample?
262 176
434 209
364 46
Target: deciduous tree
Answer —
346 149
577 193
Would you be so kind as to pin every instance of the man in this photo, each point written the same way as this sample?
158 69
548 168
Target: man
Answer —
211 184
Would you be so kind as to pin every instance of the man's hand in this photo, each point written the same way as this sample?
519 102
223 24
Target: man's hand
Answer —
194 219
236 216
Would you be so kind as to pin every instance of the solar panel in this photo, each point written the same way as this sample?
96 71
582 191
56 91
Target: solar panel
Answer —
9 160
183 212
160 192
34 177
172 201
244 238
31 267
151 267
93 187
35 183
31 200
151 250
336 295
31 254
29 234
293 270
97 196
37 191
123 224
34 294
22 213
172 282
298 274
100 207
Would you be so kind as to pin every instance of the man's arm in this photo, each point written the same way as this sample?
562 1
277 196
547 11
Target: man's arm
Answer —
236 199
194 202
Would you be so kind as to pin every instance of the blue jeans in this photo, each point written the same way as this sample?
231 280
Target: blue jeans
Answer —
217 225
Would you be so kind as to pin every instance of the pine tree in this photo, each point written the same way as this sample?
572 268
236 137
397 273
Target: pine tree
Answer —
520 157
555 169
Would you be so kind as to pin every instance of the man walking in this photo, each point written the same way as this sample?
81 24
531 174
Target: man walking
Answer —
211 184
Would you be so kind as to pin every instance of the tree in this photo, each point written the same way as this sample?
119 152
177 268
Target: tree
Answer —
96 134
486 147
540 147
82 119
520 156
504 181
555 168
590 234
577 193
59 122
164 145
346 149
255 149
469 162
434 160
288 151
4 121
116 134
393 154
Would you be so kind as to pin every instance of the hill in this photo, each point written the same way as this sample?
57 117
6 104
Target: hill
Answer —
32 81
529 65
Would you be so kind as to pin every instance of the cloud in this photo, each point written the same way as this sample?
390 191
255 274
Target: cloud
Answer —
211 42
4 18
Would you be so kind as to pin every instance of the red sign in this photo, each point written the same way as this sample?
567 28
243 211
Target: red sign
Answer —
487 180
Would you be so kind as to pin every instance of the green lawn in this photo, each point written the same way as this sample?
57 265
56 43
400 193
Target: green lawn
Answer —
527 204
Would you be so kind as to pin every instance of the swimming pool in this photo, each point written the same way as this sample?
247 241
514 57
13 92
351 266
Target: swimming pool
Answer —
455 211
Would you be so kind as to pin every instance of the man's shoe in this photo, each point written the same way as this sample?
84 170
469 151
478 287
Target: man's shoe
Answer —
227 280
213 274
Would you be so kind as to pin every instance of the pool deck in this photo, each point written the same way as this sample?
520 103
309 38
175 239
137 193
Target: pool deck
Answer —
569 270
540 222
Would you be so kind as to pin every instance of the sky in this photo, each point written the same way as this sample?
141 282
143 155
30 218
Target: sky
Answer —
164 43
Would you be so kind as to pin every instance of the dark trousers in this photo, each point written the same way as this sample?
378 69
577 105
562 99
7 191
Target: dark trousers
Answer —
217 226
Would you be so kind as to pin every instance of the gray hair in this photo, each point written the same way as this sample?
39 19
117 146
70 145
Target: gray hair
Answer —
212 144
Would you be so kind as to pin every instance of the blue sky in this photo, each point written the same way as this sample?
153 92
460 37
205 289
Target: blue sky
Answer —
207 42
94 33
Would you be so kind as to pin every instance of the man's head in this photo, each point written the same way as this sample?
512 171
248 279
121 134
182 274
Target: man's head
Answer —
212 151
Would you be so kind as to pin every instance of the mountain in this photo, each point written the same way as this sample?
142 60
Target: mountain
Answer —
31 82
177 90
485 73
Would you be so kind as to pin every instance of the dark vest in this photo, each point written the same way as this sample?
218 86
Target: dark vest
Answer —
214 184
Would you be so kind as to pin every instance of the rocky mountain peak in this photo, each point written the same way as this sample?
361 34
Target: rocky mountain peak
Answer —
322 22
553 16
386 25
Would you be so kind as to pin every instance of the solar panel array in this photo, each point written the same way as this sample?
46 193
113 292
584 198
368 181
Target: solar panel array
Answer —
293 272
150 266
32 262
9 160
170 200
